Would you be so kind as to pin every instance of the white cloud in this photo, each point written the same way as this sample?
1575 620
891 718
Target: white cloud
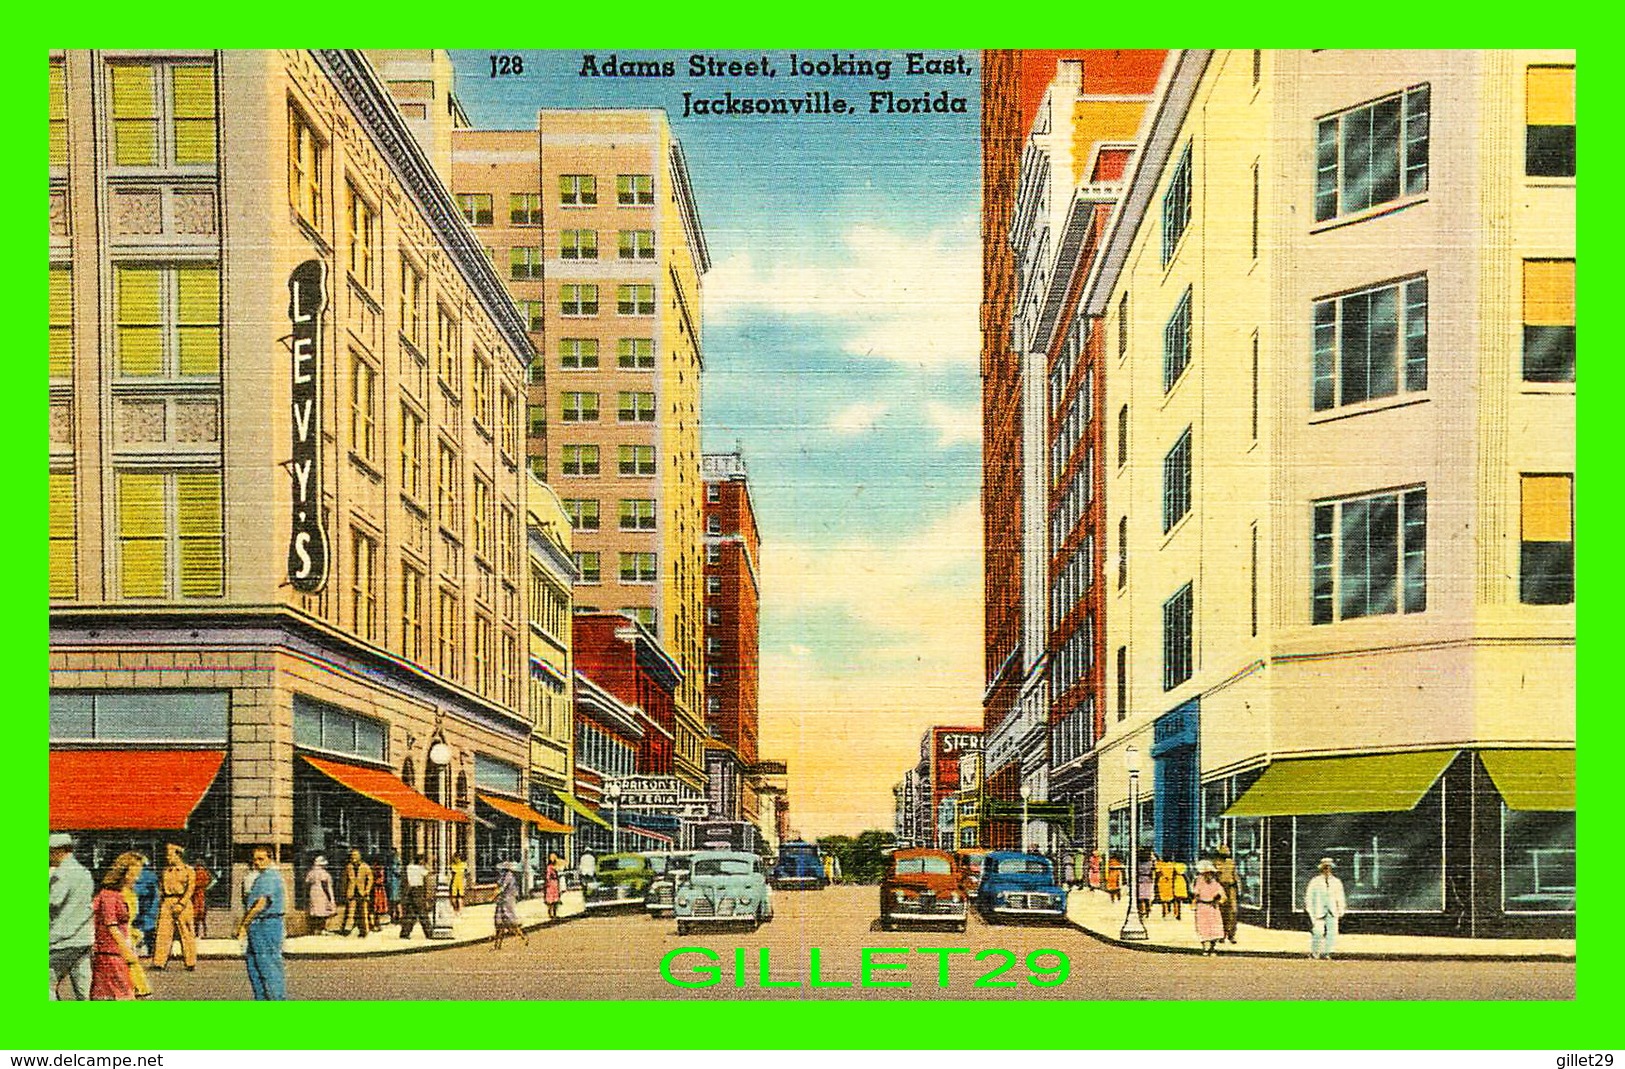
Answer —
858 418
911 300
954 425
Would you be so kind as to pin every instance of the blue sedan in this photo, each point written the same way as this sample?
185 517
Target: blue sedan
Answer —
1020 886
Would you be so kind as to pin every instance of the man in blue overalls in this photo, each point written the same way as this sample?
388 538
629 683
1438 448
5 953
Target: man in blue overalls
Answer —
264 902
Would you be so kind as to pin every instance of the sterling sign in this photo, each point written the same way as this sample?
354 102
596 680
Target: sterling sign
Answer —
307 546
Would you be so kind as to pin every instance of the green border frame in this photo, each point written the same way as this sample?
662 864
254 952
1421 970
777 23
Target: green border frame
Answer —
33 1023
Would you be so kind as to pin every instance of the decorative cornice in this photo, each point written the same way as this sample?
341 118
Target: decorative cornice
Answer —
358 82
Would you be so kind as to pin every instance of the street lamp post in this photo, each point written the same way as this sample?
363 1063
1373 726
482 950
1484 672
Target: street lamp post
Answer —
1133 925
1026 793
614 792
440 914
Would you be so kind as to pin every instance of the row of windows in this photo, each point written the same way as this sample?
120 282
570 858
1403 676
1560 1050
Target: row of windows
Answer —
634 568
631 190
159 114
581 354
1074 736
1075 659
166 321
1074 582
630 460
636 514
1070 432
582 407
1079 491
525 261
578 299
602 752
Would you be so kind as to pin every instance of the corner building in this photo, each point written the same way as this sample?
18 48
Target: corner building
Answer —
1340 498
198 429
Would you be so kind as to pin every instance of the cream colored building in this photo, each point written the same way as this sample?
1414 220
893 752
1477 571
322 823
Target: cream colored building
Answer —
1338 307
267 312
591 220
552 668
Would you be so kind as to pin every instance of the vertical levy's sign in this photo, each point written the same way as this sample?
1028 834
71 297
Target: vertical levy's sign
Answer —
307 547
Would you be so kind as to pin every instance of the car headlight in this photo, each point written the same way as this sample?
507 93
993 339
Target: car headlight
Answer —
745 900
903 896
683 900
953 896
1000 897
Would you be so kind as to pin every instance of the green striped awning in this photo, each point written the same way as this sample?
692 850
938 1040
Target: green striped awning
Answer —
1380 783
582 809
1532 779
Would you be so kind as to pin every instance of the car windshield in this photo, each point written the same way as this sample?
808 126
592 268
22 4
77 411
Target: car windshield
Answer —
722 866
1023 865
657 865
937 866
613 864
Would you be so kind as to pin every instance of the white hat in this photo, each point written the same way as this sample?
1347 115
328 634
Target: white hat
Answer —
1327 863
322 861
1205 866
61 840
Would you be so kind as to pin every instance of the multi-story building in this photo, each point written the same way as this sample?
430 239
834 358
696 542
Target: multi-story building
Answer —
423 83
287 561
551 669
1338 311
593 223
936 782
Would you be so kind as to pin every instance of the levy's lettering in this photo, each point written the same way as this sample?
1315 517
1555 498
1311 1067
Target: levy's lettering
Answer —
307 547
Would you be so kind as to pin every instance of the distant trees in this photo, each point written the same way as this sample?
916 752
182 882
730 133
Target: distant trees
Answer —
863 859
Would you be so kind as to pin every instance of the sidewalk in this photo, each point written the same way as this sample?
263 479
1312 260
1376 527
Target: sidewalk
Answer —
1097 914
474 926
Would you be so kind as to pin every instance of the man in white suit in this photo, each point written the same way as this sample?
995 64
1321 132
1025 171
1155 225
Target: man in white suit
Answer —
1323 901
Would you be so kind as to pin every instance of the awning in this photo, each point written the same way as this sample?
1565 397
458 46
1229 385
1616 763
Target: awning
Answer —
581 808
98 790
383 787
1532 779
521 811
1381 783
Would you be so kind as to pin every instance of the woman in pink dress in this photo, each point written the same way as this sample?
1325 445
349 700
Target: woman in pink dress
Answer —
112 951
1094 871
550 887
1207 894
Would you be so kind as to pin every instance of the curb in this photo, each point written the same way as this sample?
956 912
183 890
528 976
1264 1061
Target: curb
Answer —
1287 955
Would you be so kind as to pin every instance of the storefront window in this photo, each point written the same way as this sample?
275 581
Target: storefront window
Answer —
330 819
496 839
141 715
1537 861
1117 833
1389 862
319 726
207 839
494 775
1247 851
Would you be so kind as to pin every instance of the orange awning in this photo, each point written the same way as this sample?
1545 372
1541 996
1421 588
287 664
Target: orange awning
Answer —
95 790
383 787
521 811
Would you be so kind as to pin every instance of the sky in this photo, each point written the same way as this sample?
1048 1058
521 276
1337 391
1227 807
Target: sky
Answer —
841 355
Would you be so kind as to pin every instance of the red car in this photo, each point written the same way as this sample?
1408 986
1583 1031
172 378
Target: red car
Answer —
921 886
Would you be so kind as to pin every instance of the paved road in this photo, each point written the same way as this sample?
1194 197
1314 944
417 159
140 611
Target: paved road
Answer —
619 956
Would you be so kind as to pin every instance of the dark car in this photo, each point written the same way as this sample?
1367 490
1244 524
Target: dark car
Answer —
1018 886
921 887
800 867
621 880
670 872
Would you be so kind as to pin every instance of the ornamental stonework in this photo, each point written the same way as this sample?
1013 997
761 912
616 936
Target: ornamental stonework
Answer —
140 422
138 212
59 213
197 421
194 211
62 423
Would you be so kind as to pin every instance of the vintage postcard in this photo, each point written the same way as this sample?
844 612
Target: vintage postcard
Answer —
812 524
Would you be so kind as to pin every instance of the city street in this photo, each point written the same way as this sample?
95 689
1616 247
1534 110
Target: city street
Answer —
619 956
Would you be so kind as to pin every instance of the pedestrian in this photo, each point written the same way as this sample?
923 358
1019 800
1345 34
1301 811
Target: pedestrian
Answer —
113 945
1145 882
1092 877
392 883
1324 902
1208 894
262 929
319 903
145 918
1224 868
380 897
202 880
140 939
1182 888
358 881
1165 884
415 899
551 888
459 883
177 888
1114 877
588 865
72 891
506 917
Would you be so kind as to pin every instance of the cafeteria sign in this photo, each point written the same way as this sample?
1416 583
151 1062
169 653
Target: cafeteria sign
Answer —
307 547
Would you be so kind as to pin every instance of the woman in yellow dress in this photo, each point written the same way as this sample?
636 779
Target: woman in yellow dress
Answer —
138 975
459 883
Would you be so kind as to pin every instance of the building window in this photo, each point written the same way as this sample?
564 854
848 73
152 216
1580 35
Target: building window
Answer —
534 313
1258 64
635 300
482 390
578 407
168 319
510 421
1371 344
1255 385
445 489
578 189
361 224
536 420
637 514
64 527
480 519
305 178
411 303
1549 119
635 354
1122 436
713 584
411 452
578 354
1546 557
713 493
1548 320
1255 211
170 535
1176 482
634 189
636 459
364 584
59 113
1176 205
411 612
1388 862
713 553
363 408
713 704
637 245
1252 572
636 407
319 726
61 321
483 676
525 209
1372 154
163 115
587 565
583 513
578 299
1176 342
1537 861
1369 556
713 673
448 629
638 567
1122 326
713 644
580 460
477 208
713 615
1122 552
536 465
1178 619
525 262
1122 683
578 245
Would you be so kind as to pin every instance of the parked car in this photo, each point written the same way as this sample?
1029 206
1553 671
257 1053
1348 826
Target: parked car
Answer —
799 867
620 880
724 887
921 886
670 872
970 869
1020 886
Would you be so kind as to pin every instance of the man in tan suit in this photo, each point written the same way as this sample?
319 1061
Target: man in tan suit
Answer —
1224 867
176 888
357 895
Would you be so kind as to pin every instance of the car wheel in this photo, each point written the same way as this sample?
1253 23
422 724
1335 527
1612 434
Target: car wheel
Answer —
885 925
682 928
962 925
